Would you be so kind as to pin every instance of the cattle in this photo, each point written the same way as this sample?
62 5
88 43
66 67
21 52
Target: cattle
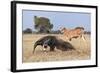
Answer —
69 34
53 42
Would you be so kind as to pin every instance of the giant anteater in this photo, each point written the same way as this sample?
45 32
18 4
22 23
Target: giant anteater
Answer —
53 42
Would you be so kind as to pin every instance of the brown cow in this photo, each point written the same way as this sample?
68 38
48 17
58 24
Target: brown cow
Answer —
73 33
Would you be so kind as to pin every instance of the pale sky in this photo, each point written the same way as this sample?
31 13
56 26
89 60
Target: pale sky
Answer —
58 19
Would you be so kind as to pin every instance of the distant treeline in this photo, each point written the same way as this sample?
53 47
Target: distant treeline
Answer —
87 32
29 31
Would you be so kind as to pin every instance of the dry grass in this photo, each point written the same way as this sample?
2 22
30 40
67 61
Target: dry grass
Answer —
83 50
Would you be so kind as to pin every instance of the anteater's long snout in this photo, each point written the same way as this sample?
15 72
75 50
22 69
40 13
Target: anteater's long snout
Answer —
34 46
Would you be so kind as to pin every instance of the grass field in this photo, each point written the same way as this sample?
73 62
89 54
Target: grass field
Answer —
82 52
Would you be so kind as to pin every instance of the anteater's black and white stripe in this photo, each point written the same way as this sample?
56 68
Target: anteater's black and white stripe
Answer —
53 42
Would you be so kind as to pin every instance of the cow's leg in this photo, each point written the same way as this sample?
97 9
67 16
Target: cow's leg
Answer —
83 38
70 39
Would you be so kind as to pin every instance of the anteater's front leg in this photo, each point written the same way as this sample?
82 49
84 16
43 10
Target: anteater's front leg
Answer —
52 48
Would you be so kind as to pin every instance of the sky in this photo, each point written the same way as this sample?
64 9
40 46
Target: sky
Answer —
69 20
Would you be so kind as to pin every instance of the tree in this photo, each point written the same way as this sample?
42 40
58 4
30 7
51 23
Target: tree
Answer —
42 24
